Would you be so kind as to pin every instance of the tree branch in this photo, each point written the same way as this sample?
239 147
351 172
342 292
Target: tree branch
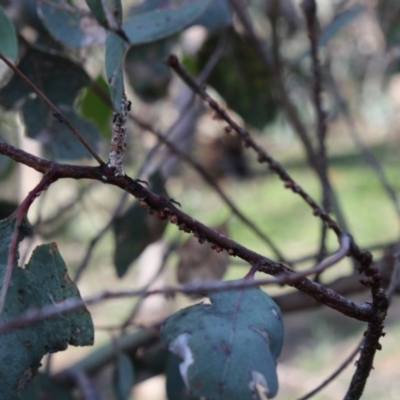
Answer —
164 209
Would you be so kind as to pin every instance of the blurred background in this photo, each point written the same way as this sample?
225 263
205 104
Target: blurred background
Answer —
109 243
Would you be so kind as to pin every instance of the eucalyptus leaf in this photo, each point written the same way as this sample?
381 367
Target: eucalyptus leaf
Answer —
69 25
136 229
124 377
44 281
7 208
107 12
115 50
228 348
60 80
6 165
162 22
146 71
8 38
218 15
43 383
241 79
175 387
93 107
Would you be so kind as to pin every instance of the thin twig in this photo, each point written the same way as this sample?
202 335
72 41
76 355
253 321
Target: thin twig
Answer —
244 135
342 252
212 183
310 12
19 215
201 79
367 154
163 139
364 258
34 315
334 375
160 269
280 90
394 279
89 250
51 105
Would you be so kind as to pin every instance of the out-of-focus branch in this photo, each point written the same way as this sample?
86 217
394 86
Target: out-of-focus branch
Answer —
310 13
335 374
369 157
281 93
81 381
358 311
89 250
125 343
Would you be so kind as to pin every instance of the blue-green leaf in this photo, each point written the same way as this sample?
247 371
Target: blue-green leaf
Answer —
136 229
107 12
70 25
60 79
8 38
93 107
228 348
238 76
162 22
44 281
175 387
124 377
145 68
115 50
217 15
43 383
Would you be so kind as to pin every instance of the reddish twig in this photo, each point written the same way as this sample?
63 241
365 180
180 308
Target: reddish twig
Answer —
19 215
262 155
212 183
363 257
380 304
164 209
163 139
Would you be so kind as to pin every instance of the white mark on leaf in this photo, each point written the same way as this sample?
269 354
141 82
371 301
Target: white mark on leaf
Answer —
275 313
179 346
263 333
259 386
